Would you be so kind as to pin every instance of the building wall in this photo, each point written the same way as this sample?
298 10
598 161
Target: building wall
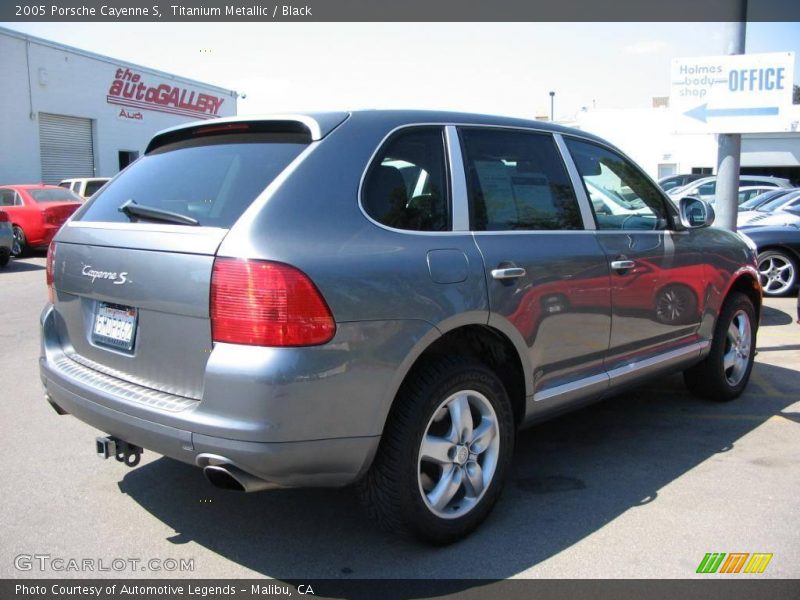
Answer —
65 81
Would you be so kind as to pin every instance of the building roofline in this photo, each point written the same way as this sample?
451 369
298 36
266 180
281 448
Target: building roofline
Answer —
114 61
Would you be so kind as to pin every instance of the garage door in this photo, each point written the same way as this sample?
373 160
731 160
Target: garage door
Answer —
66 147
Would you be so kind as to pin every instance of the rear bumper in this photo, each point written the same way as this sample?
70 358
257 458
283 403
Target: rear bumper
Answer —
267 415
314 463
6 237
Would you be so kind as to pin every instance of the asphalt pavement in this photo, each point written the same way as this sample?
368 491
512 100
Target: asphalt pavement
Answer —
640 486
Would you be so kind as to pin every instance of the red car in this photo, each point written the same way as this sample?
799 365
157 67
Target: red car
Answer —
36 212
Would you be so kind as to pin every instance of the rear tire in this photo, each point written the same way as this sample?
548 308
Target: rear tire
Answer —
20 244
444 454
777 271
724 373
4 258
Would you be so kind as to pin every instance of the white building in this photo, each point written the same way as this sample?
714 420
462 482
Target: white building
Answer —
648 136
67 113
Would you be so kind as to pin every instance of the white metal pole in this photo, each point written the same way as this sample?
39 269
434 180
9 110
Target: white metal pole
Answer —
729 145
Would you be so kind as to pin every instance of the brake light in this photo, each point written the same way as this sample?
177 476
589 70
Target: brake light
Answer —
51 257
263 303
3 217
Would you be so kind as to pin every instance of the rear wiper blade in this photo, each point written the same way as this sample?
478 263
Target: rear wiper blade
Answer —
134 210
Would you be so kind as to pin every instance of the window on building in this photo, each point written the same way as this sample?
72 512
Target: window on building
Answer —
126 157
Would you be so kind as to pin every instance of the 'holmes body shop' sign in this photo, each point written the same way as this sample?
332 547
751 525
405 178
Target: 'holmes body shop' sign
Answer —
128 89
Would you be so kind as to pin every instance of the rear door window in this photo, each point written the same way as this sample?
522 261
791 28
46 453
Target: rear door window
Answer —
517 181
212 179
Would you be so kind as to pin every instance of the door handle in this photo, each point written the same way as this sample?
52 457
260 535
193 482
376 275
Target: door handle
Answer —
622 265
508 273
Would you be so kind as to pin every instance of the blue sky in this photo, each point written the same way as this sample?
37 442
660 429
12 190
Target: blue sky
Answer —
500 68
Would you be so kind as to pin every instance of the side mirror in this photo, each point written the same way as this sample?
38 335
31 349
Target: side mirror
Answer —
695 213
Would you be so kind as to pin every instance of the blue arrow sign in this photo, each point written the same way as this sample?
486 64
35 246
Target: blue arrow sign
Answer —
702 112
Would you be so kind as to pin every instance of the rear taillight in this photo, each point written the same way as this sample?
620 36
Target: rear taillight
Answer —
262 303
3 217
51 257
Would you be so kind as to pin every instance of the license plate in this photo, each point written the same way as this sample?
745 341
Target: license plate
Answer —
114 326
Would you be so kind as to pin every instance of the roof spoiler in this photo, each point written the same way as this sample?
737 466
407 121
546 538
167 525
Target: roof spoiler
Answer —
314 126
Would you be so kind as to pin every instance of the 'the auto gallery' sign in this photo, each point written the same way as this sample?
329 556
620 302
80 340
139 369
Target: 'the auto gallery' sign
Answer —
129 88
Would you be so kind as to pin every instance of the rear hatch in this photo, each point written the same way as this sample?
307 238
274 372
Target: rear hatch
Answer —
132 270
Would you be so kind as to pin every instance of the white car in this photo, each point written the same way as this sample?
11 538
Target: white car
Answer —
608 202
706 188
784 210
85 187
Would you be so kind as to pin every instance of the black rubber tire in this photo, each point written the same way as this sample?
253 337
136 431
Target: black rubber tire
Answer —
789 259
23 242
707 379
4 258
390 491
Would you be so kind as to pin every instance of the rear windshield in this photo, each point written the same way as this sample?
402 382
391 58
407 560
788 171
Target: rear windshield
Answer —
93 186
53 195
211 179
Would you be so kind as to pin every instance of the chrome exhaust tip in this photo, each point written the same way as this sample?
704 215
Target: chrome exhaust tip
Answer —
226 476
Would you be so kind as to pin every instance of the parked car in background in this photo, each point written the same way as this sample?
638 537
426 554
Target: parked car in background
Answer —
748 192
6 238
36 211
675 181
778 257
757 201
84 187
706 188
782 210
381 298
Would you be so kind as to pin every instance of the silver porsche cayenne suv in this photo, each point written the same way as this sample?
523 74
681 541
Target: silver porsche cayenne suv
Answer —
381 298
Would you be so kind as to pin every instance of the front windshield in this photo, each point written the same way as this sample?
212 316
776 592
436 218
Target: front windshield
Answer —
777 202
757 201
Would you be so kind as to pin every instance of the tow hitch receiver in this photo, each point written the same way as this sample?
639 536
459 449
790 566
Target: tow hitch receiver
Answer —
119 449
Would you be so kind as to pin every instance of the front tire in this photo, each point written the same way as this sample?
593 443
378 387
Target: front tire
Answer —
444 454
724 373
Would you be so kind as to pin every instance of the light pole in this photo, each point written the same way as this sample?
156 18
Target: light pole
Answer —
552 95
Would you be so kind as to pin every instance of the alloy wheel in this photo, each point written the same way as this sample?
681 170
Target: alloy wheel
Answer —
736 357
458 455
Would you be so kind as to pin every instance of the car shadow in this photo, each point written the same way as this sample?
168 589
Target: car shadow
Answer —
20 265
774 317
570 477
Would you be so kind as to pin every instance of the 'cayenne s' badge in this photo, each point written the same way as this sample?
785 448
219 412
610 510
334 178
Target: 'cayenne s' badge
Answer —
116 278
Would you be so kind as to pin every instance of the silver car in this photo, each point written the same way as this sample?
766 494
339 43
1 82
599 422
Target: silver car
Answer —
6 238
706 188
382 298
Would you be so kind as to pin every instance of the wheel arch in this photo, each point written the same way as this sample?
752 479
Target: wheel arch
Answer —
478 340
777 247
748 284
